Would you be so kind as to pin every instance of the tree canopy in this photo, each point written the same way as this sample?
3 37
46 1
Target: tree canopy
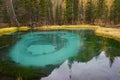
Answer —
48 12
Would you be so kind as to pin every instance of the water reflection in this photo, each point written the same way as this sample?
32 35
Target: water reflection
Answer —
96 69
97 59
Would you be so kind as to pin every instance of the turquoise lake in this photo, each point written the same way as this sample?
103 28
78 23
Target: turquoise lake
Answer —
59 55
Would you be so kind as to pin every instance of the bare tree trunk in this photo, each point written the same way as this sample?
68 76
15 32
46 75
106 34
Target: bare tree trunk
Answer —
11 12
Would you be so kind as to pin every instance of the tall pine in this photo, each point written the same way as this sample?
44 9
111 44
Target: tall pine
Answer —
58 15
42 11
49 12
69 11
75 10
101 10
115 12
90 12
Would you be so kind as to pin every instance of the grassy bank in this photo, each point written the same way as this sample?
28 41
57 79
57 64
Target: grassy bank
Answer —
100 31
10 30
67 27
109 33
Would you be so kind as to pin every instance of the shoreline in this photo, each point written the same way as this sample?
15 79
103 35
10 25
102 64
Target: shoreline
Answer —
113 33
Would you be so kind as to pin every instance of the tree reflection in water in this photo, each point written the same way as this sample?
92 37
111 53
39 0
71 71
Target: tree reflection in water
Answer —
98 59
95 69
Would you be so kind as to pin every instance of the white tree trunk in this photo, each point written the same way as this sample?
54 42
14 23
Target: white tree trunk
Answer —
11 12
14 15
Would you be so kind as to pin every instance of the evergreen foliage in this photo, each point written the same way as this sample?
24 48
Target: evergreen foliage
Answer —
47 12
58 15
89 12
115 12
75 10
68 13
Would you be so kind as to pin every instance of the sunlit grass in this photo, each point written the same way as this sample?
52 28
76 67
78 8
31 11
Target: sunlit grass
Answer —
100 31
10 30
109 33
55 27
7 30
23 28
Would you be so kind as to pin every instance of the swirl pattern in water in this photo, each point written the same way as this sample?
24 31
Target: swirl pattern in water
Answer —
45 48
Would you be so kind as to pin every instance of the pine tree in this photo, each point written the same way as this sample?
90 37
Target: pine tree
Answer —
36 3
115 12
19 6
6 17
69 11
81 12
49 12
30 8
101 11
75 10
43 11
58 15
11 12
0 5
0 8
89 12
1 17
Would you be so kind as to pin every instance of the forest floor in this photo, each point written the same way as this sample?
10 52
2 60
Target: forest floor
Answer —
99 31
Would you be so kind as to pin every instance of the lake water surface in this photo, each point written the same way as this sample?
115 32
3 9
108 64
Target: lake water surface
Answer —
59 55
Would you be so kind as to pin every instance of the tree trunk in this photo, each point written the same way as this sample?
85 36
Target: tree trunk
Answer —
11 12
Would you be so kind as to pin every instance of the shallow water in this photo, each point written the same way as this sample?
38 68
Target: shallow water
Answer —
88 57
39 49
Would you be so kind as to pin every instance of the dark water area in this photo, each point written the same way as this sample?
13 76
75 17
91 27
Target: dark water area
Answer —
97 58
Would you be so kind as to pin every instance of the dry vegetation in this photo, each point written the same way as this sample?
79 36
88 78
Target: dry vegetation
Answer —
67 27
100 31
109 33
10 30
